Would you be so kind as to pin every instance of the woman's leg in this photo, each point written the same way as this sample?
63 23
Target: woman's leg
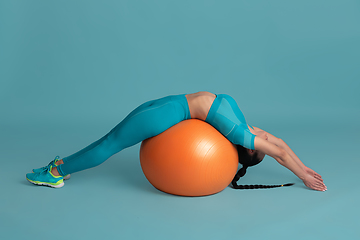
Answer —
96 143
148 120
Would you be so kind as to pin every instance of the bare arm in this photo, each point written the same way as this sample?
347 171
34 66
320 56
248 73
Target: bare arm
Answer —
280 143
285 159
280 155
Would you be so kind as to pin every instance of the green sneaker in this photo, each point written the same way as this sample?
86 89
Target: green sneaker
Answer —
46 178
53 164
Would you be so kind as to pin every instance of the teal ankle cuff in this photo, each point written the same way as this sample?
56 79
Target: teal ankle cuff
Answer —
61 172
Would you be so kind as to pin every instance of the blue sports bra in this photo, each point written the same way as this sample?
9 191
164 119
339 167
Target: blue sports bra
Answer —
227 118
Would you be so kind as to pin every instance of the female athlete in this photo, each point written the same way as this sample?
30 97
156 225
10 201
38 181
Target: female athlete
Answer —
154 117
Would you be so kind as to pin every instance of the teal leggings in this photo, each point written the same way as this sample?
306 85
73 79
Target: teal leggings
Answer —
147 120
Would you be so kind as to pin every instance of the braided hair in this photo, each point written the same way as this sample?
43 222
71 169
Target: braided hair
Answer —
247 161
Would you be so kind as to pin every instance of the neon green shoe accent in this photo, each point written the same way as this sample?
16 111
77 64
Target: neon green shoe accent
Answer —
45 178
53 164
45 183
53 174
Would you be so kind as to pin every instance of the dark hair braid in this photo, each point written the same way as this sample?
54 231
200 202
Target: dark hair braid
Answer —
246 160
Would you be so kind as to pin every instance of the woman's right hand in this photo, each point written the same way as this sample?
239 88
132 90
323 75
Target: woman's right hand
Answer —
313 173
314 182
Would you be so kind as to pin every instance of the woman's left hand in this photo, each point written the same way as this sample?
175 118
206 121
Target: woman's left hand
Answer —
314 180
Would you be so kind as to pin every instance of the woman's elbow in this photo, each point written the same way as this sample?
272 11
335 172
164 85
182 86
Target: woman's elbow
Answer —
280 142
281 155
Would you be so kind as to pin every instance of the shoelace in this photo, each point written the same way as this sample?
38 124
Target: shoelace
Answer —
45 170
52 162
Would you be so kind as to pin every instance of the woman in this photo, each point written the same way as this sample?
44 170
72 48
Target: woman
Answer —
154 117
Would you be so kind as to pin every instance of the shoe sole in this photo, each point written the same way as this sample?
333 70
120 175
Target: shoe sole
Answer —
46 184
66 177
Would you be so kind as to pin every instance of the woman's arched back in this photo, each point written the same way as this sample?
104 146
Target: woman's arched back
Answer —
200 104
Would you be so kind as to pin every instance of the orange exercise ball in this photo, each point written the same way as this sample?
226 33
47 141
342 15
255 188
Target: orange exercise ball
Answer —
189 159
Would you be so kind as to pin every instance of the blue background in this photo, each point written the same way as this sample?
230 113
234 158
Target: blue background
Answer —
71 70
